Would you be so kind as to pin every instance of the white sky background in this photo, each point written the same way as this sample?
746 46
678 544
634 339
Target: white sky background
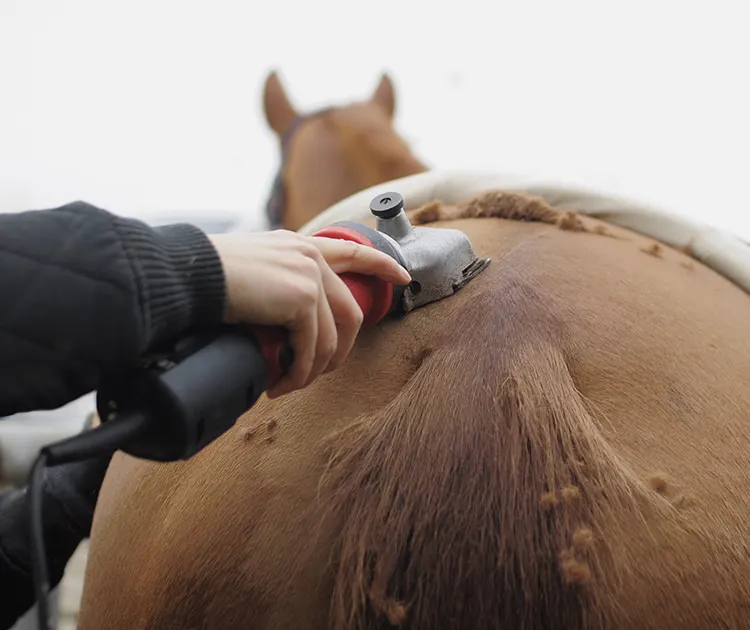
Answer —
154 107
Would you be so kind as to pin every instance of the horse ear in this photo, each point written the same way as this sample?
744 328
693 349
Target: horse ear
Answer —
276 105
385 95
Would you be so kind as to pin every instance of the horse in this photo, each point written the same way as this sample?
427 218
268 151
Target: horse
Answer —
560 444
329 154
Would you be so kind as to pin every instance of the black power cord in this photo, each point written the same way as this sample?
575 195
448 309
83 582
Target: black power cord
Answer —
169 408
105 439
38 558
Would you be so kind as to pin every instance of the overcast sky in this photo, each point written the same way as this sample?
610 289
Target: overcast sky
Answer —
153 107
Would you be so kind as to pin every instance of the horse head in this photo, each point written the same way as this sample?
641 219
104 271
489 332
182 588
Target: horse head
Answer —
332 153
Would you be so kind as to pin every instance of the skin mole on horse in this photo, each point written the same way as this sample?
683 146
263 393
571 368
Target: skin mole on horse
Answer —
562 444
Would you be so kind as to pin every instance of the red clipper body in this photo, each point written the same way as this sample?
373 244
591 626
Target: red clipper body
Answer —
375 297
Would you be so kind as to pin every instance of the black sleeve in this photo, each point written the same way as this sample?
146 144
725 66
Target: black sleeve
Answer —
84 292
69 495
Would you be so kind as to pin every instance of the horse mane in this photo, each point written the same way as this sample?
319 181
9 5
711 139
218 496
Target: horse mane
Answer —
498 204
483 496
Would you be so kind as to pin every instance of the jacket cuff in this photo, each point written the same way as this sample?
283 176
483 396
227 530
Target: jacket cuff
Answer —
179 275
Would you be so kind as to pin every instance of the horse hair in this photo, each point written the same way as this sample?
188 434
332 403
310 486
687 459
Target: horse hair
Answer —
522 542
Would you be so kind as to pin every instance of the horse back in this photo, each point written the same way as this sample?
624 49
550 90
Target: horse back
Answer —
561 444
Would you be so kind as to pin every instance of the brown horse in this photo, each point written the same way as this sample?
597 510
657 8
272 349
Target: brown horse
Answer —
333 153
561 444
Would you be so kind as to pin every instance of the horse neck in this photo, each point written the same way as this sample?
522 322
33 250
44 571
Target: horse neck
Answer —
375 158
364 168
385 168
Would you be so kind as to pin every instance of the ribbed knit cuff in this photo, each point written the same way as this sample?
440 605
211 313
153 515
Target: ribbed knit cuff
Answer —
179 274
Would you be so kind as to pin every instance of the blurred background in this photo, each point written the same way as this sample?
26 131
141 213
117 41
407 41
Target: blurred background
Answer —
153 108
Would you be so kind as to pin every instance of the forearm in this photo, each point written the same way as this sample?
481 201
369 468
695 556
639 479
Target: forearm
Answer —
85 293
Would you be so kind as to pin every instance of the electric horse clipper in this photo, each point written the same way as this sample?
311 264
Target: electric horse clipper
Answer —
191 397
176 403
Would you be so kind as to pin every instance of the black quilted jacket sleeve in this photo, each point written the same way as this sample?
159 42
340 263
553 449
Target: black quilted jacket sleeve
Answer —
84 292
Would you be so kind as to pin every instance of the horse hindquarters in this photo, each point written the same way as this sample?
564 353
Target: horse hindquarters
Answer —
488 465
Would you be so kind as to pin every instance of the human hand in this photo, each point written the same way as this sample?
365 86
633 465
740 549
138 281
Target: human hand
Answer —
287 279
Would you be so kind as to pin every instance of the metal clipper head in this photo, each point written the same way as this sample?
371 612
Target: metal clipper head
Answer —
440 260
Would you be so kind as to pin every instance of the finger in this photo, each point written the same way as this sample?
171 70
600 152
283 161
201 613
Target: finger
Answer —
348 256
327 333
346 313
303 337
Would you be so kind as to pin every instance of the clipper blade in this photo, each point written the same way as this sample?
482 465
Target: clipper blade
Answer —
470 272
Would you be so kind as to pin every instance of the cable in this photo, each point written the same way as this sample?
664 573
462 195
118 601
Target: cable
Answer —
38 561
165 411
107 438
